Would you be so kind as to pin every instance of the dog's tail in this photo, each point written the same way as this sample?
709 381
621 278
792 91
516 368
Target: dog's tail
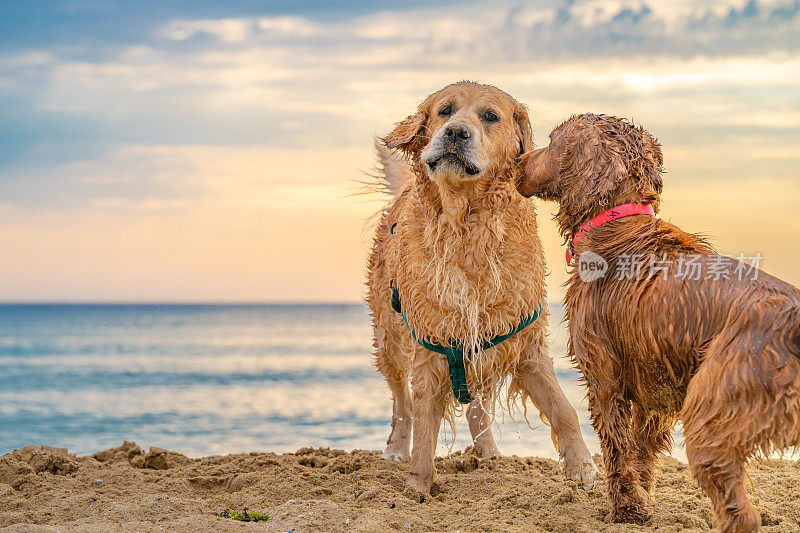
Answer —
393 172
391 176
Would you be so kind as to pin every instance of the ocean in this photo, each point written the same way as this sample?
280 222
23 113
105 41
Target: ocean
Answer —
216 379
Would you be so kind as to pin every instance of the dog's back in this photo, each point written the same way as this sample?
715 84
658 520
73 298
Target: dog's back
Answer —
663 301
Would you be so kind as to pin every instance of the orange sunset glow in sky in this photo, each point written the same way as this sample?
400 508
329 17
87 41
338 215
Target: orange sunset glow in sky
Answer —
195 155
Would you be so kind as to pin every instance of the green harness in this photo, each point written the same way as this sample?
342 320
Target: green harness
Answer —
455 352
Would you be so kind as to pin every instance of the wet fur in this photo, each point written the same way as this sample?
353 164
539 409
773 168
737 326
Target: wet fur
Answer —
468 263
719 355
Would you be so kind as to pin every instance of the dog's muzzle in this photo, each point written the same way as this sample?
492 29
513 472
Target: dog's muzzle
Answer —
456 160
454 144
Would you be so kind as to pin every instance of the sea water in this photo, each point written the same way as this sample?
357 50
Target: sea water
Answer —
216 379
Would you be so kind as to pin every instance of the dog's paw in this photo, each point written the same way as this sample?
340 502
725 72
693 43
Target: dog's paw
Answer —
419 486
392 456
486 451
583 470
397 451
632 514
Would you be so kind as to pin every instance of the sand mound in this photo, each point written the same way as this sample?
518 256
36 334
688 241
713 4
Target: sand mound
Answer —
127 489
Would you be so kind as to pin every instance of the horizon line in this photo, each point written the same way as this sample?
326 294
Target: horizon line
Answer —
176 302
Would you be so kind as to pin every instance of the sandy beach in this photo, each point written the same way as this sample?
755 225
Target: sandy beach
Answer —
130 489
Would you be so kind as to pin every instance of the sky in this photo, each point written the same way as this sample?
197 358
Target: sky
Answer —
193 151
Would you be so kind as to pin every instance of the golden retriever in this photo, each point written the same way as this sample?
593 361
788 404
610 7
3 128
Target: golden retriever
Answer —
459 248
686 335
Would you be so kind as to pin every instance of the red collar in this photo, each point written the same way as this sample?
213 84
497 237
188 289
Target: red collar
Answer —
624 210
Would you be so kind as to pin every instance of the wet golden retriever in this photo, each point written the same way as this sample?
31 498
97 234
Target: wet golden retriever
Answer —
684 335
459 247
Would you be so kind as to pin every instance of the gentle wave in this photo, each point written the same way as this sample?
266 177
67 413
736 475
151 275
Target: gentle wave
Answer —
216 379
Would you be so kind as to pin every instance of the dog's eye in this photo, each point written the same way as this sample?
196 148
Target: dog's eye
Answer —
490 116
446 110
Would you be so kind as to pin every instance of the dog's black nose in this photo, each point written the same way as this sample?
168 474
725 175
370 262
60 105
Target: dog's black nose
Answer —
457 133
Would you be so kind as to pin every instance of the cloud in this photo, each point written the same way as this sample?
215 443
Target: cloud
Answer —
227 30
298 82
296 26
233 31
496 32
186 152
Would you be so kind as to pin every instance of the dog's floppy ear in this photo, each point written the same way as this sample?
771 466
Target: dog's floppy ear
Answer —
524 132
525 139
653 150
406 134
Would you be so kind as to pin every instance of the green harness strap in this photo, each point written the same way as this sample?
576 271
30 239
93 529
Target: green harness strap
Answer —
455 352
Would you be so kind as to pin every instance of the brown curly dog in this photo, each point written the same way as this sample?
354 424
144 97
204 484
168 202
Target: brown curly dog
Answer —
669 331
459 248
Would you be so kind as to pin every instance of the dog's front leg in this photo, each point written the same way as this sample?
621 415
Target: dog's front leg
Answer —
537 377
430 392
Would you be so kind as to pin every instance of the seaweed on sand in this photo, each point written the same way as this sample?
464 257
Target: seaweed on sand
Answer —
244 516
